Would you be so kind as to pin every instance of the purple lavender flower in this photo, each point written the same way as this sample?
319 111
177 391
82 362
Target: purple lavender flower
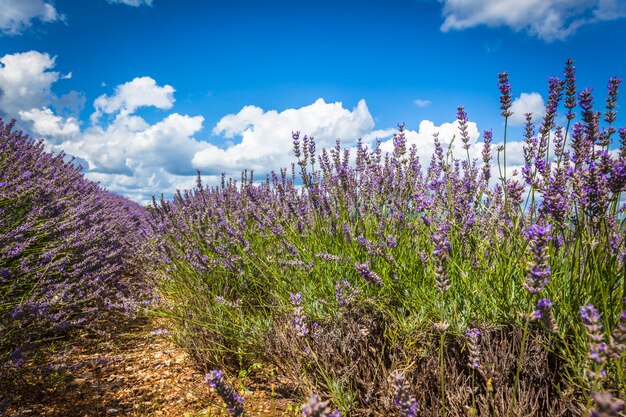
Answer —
296 299
461 117
441 251
486 154
538 272
505 94
611 103
399 142
570 88
473 347
234 401
367 274
299 322
545 314
344 293
315 407
402 398
597 347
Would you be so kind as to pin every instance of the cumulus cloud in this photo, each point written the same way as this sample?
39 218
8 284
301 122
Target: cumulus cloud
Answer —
25 81
46 123
266 135
134 3
421 103
128 97
549 20
17 15
526 103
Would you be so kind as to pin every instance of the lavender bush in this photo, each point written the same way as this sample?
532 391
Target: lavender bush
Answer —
379 247
66 248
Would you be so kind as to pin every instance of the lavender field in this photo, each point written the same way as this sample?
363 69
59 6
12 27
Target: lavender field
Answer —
369 283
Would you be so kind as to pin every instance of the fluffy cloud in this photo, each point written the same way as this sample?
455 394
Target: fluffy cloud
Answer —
17 15
547 19
25 81
266 136
128 97
134 3
46 123
526 103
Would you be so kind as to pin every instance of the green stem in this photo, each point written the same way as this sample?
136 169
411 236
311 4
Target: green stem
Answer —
442 373
506 122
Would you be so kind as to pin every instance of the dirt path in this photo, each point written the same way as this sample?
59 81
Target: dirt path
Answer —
136 373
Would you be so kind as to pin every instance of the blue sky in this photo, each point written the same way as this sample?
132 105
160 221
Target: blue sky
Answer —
146 92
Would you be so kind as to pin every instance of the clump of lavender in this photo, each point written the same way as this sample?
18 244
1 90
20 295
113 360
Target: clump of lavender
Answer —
545 314
298 315
402 398
538 274
234 401
67 248
367 274
315 407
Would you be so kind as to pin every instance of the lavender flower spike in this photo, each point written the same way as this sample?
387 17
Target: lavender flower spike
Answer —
315 407
505 94
544 313
473 347
441 253
538 274
298 315
233 400
402 397
595 334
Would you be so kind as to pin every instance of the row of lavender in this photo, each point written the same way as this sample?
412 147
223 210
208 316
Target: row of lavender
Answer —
339 270
66 248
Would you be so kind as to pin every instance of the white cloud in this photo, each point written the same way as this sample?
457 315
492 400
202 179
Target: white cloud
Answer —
128 97
547 19
421 103
25 81
526 103
17 15
266 142
48 124
134 3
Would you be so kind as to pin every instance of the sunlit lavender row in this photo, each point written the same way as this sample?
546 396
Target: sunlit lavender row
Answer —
66 249
471 288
